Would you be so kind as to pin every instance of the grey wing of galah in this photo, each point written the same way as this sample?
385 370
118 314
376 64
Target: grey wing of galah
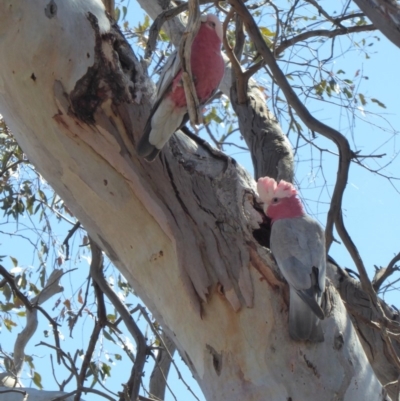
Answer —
298 245
145 146
168 73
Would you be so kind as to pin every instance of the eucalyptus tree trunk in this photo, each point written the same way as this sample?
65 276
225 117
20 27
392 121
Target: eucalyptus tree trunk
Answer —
181 229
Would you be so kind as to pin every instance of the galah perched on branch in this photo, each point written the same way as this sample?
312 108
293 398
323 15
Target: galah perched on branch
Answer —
298 244
169 111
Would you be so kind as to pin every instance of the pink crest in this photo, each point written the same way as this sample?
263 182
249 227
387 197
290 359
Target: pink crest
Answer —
269 189
285 190
266 188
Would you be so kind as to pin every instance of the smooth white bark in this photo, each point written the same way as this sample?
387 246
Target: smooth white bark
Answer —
221 300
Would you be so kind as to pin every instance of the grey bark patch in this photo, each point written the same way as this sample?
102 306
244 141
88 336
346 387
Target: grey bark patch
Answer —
51 9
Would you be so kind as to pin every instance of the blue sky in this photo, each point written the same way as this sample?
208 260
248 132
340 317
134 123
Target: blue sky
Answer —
371 203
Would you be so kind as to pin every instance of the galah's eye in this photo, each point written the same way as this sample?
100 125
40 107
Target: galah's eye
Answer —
212 24
275 200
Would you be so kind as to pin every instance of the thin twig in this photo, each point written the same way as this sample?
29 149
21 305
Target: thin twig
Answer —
385 273
145 315
156 26
11 166
99 324
84 390
285 44
71 232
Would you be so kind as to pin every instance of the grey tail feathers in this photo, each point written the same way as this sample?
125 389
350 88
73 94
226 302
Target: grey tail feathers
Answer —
311 295
303 322
145 148
308 297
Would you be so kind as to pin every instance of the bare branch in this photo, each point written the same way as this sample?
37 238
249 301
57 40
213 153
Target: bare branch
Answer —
96 264
322 33
382 274
51 288
71 232
158 378
165 347
97 275
11 166
270 150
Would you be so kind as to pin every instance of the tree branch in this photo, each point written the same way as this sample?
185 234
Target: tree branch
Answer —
101 322
321 33
270 150
51 288
335 212
385 15
141 353
159 375
382 274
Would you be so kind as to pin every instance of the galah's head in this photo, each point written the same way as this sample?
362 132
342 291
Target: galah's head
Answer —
280 200
211 21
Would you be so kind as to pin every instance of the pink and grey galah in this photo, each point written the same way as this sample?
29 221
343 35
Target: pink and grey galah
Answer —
298 245
169 111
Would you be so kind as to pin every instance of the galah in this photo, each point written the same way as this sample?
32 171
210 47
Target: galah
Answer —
169 111
298 245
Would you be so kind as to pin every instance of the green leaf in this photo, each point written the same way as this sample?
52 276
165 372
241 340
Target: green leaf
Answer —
379 103
362 99
42 195
37 379
111 317
6 307
108 336
117 14
9 324
14 261
7 292
106 369
266 32
29 360
347 92
32 287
